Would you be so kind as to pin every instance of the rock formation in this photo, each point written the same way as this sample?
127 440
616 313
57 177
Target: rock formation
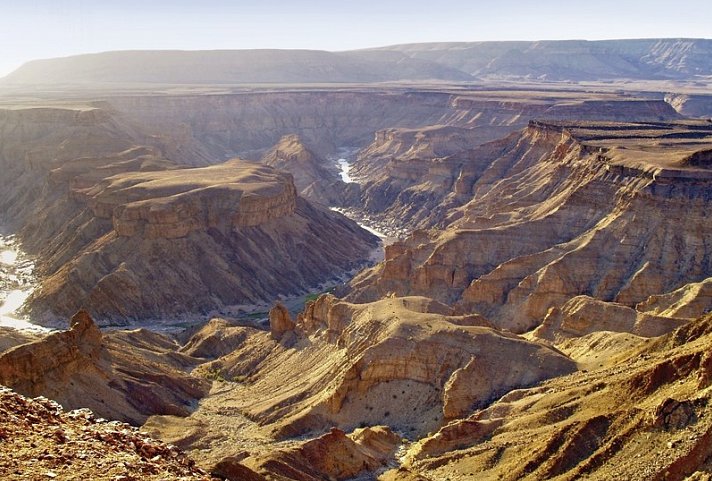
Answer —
40 440
358 365
125 232
116 375
645 417
334 455
420 176
544 205
280 322
316 179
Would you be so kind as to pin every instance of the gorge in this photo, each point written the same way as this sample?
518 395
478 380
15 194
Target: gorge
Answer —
541 310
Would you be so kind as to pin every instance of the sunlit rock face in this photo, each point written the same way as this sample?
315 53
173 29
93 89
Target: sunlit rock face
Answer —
561 210
119 228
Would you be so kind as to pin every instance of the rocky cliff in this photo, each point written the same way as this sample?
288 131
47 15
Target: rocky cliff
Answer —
120 229
126 376
644 417
417 175
556 212
406 363
316 178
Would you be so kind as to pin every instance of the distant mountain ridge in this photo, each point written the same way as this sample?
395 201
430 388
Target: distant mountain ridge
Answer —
576 60
570 59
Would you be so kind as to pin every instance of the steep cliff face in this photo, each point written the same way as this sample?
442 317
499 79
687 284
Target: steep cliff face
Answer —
559 211
691 105
228 125
251 122
115 375
122 230
420 175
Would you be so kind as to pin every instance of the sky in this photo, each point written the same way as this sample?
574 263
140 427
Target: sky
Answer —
32 29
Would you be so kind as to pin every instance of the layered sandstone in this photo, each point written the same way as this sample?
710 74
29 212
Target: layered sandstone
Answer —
120 229
126 376
334 455
177 202
644 417
420 176
556 212
358 365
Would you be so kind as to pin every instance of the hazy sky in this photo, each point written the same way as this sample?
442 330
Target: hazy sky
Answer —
51 28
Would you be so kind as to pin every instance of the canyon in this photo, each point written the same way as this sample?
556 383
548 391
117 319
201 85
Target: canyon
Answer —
209 275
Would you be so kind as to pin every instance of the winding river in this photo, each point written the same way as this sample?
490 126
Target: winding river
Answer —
16 284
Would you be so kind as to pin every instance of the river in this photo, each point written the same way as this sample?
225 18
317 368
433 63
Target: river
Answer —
17 279
344 170
16 284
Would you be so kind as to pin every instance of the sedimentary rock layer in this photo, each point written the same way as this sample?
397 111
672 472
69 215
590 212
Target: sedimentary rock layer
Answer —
644 417
359 365
120 229
612 211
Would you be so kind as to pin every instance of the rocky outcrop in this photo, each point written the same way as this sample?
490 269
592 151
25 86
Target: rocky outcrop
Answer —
121 230
583 315
334 455
642 417
690 301
54 359
316 179
544 207
40 440
174 203
115 375
421 176
359 365
691 105
216 338
280 321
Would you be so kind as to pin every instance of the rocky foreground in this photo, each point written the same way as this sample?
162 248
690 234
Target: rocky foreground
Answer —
41 441
615 406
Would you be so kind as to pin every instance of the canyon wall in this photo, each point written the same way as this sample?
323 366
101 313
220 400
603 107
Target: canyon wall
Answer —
120 229
559 211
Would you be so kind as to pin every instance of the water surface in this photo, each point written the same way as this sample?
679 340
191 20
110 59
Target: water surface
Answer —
16 284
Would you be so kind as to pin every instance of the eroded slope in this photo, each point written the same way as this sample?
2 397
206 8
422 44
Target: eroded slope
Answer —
612 211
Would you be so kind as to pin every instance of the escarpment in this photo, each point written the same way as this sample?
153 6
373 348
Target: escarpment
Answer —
122 230
561 210
174 203
421 175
